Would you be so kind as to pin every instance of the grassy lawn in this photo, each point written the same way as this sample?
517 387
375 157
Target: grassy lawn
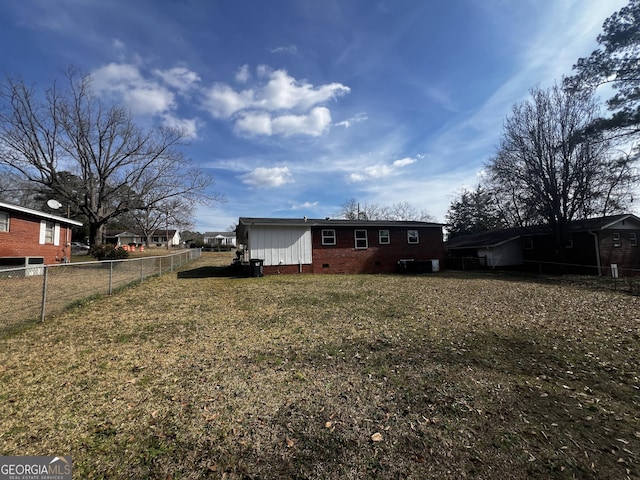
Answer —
448 376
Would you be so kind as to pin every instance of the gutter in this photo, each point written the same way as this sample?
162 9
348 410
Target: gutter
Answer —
597 245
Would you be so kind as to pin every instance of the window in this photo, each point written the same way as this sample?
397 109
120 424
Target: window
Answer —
48 232
616 240
383 237
568 242
328 237
412 236
361 239
632 237
4 222
527 243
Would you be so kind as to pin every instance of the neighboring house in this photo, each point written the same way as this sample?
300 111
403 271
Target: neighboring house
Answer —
339 246
30 233
591 246
158 238
122 237
226 240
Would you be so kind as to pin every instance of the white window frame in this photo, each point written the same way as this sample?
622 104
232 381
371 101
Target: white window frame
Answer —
384 238
4 221
359 245
328 236
617 242
413 237
633 238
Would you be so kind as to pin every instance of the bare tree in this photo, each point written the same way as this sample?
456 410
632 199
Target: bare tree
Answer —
353 210
121 166
546 169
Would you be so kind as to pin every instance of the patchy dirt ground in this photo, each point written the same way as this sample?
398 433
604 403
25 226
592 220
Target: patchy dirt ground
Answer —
200 375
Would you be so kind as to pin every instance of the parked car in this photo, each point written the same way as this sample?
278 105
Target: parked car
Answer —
79 246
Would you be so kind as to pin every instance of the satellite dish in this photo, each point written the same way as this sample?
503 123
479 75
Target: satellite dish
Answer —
53 204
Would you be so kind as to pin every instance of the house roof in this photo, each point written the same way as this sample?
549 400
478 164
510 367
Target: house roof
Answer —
316 222
119 233
495 238
35 213
214 234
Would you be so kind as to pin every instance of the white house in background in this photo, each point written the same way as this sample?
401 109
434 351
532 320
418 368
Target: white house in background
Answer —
157 238
225 240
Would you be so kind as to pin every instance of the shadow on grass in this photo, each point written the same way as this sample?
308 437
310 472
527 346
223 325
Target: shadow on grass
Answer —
227 271
207 272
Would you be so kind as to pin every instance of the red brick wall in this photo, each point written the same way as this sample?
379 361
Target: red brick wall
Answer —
23 236
377 258
626 256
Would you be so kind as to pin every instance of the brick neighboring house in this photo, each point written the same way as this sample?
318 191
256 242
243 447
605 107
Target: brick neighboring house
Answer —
339 246
30 233
591 246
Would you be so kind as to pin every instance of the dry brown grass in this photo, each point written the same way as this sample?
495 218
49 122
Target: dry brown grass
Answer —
198 375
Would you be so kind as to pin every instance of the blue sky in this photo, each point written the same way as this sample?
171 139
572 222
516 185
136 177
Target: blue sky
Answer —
295 107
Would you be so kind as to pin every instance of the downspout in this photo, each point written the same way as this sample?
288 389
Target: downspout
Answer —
597 245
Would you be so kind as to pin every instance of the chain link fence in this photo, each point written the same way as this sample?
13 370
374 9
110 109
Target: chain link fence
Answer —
30 294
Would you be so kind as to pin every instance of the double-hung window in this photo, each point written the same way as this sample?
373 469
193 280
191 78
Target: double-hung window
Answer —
49 233
328 237
412 236
634 239
383 237
616 240
4 222
361 239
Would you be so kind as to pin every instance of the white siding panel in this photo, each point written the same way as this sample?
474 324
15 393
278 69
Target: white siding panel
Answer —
503 255
281 245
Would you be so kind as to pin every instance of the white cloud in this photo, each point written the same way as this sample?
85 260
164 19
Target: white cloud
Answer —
303 206
222 101
243 74
262 123
179 78
254 123
268 177
280 106
189 126
403 162
360 117
285 92
313 124
380 170
292 49
141 95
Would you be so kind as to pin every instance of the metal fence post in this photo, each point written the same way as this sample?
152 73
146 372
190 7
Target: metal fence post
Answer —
141 270
111 277
44 293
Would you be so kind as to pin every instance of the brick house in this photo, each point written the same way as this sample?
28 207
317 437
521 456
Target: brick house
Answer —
591 246
339 246
29 233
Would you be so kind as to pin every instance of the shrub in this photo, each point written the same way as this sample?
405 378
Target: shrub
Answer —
108 252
